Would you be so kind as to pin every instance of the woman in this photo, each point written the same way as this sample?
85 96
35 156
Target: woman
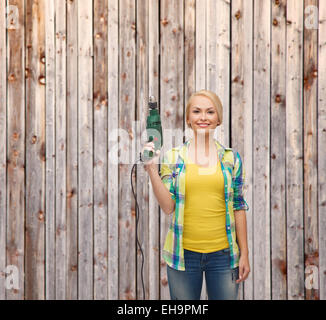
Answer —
201 183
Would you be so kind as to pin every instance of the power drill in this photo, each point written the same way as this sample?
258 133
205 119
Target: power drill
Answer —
153 128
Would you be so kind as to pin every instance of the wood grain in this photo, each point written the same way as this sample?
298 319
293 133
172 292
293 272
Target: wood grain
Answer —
171 93
127 99
72 151
3 146
310 89
100 149
241 110
113 168
85 151
16 191
321 149
153 208
261 151
278 152
294 151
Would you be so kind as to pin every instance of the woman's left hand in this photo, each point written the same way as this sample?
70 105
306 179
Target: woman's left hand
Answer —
244 268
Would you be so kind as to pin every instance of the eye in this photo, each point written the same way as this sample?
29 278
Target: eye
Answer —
211 111
195 111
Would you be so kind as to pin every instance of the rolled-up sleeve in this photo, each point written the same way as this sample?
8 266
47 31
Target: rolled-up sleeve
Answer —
239 202
167 174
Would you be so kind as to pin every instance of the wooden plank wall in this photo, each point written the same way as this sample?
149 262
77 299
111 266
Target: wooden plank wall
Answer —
75 77
15 144
3 149
261 149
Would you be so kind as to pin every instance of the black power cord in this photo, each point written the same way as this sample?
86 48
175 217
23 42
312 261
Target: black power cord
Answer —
137 218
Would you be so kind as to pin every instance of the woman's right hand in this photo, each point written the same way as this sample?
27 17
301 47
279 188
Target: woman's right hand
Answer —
151 164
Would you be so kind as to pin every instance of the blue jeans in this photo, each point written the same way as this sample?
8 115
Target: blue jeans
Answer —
220 278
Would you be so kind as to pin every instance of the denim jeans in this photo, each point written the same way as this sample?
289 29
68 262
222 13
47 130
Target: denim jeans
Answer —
220 278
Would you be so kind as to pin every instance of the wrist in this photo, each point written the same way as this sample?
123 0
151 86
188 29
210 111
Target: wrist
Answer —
244 252
152 169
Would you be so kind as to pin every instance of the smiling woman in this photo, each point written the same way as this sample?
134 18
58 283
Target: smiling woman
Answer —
208 228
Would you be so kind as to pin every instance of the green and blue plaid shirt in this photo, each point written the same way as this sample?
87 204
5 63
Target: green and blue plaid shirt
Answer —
173 175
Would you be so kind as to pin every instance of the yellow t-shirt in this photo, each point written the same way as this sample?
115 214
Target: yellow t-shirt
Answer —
204 212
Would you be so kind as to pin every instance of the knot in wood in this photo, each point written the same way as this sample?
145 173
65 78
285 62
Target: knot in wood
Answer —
278 98
41 215
12 77
41 80
34 139
164 22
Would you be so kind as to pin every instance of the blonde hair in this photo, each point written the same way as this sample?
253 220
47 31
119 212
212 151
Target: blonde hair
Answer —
213 97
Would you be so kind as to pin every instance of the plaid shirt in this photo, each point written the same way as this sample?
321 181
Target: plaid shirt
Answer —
173 176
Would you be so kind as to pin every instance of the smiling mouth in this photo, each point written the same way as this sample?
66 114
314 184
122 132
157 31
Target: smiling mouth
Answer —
203 125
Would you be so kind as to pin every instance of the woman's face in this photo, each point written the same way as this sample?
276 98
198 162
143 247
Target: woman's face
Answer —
202 115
